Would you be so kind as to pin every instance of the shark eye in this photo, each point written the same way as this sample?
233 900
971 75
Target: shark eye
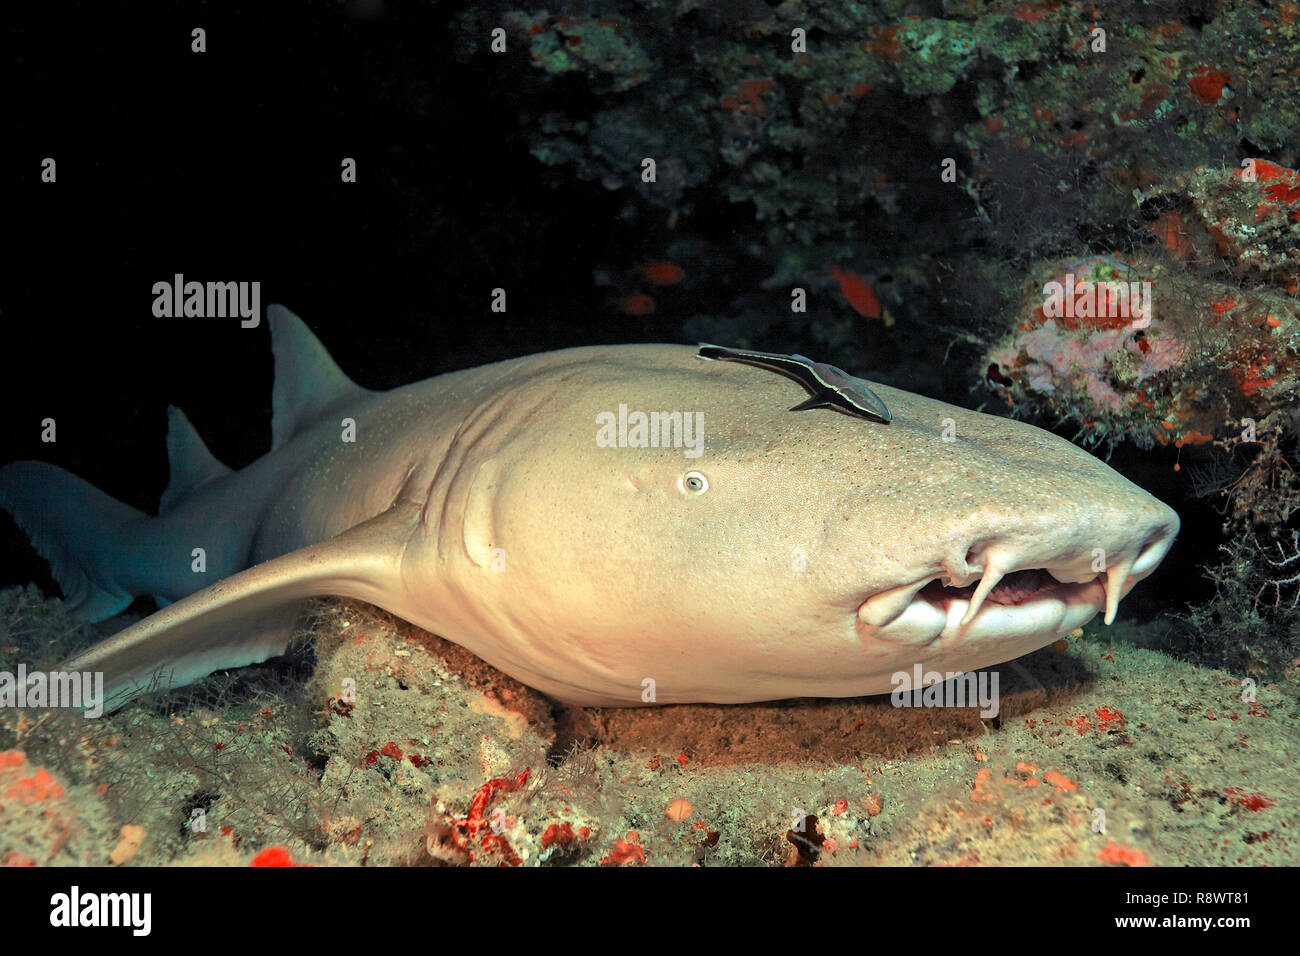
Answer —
695 483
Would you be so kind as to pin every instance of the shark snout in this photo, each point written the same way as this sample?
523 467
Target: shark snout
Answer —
1072 541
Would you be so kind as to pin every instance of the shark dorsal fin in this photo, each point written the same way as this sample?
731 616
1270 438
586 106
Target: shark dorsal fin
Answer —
307 380
188 458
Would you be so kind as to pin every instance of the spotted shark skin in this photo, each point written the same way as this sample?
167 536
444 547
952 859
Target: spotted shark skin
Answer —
807 553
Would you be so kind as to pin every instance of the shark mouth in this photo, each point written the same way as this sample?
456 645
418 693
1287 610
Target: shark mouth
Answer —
1013 590
1023 604
995 604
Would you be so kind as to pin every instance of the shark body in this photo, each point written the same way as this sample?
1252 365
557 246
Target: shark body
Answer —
801 554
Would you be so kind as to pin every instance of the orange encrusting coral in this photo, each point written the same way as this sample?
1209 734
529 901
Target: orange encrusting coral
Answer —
1171 229
11 758
983 786
37 788
1059 780
1126 855
748 98
626 851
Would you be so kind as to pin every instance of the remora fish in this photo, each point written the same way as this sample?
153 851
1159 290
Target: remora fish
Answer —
831 387
803 554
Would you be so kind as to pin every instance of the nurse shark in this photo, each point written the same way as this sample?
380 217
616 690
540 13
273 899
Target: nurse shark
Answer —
803 550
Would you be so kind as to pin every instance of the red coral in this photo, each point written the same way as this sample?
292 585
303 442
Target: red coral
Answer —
1254 378
473 821
628 851
563 838
1207 84
1108 715
558 833
274 856
1248 801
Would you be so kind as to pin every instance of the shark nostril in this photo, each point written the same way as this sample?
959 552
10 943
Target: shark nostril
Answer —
977 554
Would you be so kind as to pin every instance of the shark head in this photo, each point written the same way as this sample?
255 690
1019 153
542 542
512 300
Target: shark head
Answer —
728 549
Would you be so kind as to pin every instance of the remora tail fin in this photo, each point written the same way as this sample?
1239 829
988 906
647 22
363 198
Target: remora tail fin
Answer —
248 617
79 529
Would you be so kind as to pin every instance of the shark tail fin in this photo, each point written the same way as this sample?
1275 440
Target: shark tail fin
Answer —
307 380
189 459
77 528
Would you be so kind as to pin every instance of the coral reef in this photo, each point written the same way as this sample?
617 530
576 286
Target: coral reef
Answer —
1212 362
1216 346
404 749
1024 127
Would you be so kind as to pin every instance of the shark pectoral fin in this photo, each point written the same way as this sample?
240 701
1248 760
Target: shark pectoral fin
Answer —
249 616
